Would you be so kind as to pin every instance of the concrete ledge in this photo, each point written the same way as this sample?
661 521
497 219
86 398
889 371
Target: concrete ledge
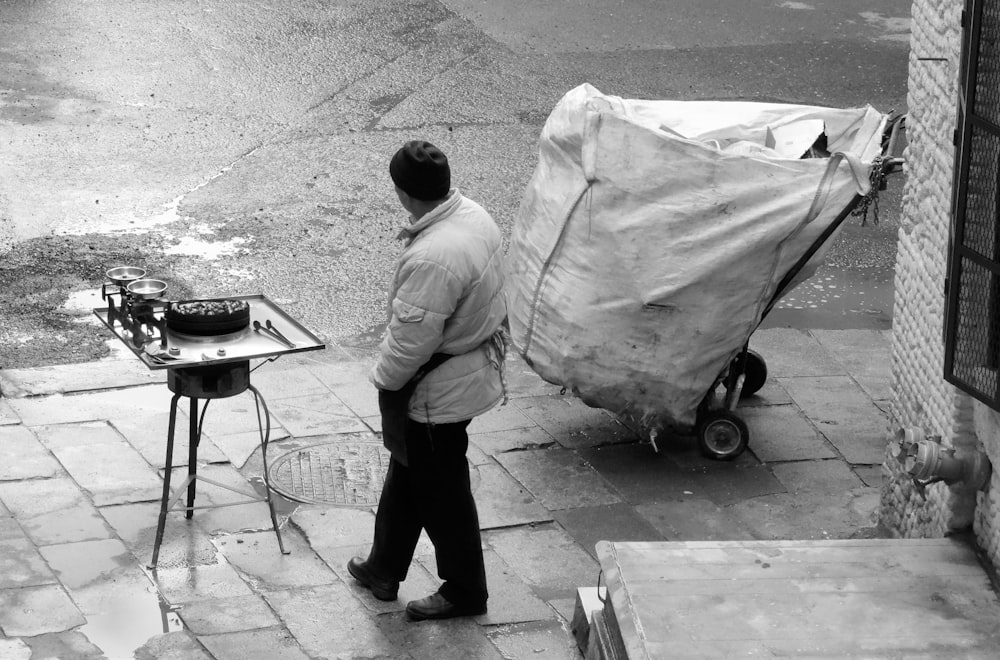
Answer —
80 377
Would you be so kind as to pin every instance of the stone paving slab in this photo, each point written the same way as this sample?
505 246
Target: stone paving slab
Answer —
695 519
185 542
237 511
503 502
20 611
22 566
523 382
844 414
771 394
502 418
318 414
573 424
177 644
257 644
257 557
235 414
558 478
327 621
102 463
865 355
791 352
91 406
808 515
552 477
783 433
7 414
226 615
334 527
22 455
182 585
147 433
63 379
511 599
237 448
538 639
70 644
826 476
101 577
731 482
639 474
494 443
547 559
54 510
437 640
588 525
349 383
9 528
277 384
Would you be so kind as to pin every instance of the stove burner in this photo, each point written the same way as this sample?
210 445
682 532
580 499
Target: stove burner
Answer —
215 381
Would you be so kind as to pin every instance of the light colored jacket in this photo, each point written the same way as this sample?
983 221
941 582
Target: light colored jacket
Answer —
447 297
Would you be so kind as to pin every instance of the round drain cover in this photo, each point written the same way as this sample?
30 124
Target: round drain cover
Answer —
345 473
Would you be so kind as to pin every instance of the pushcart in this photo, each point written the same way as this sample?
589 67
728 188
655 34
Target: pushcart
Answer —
721 433
655 235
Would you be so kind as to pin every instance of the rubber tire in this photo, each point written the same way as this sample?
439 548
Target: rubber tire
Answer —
722 435
754 373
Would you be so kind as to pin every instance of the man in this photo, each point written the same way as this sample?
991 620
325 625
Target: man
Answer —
440 365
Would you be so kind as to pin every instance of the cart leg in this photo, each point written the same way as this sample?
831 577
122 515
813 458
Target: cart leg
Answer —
265 436
162 521
193 438
735 379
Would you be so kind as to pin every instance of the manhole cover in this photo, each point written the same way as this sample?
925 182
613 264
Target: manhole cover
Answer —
349 474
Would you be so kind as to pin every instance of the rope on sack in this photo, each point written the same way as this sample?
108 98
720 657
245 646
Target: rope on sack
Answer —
877 177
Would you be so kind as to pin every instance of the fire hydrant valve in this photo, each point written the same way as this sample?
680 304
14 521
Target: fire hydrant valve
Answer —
927 461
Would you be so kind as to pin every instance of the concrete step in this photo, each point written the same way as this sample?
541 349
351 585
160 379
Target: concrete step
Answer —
835 598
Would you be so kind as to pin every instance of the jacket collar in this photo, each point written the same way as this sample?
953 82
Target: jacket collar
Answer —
439 213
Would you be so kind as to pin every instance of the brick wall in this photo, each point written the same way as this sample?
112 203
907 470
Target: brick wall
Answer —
921 397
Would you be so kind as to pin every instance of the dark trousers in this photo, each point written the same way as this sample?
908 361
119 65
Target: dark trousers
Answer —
432 492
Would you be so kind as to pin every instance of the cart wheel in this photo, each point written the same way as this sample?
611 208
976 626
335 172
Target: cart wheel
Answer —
754 372
722 435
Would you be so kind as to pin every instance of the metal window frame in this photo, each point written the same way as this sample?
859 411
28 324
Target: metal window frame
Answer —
958 252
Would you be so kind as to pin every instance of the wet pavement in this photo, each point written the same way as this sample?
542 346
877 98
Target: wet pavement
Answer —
82 449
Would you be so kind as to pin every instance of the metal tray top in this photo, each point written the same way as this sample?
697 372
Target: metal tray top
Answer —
247 344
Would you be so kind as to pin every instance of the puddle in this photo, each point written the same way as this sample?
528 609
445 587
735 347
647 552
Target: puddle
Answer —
136 621
283 507
837 300
83 303
124 610
205 249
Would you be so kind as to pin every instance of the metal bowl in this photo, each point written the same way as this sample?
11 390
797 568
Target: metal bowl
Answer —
147 289
123 274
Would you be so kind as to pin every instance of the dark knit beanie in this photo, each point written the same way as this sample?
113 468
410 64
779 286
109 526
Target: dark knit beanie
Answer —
421 171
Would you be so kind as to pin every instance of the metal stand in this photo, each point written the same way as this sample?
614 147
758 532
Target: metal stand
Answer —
214 382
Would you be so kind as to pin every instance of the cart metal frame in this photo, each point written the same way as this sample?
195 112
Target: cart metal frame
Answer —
722 434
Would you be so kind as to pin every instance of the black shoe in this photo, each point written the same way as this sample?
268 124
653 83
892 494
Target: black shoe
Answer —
381 589
437 606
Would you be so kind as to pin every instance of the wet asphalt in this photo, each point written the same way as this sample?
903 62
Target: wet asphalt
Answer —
232 148
83 451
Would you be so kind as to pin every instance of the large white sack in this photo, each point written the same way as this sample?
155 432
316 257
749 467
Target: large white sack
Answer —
645 252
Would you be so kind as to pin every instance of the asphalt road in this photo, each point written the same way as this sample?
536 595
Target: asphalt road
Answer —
238 147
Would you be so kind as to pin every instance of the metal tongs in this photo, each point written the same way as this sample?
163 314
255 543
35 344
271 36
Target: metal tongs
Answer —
272 332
